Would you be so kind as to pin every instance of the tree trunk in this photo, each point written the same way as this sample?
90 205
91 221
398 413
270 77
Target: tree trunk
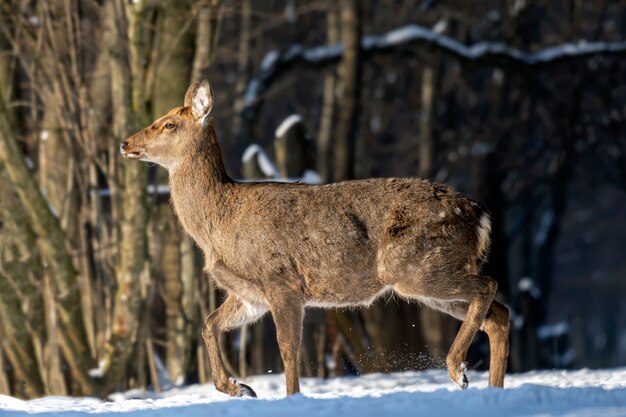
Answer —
293 151
324 154
17 341
55 168
126 42
53 245
100 236
4 381
176 323
17 260
175 51
52 359
21 303
426 142
348 100
207 35
436 328
243 69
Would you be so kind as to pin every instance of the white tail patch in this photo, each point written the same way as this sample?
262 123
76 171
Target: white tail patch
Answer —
484 236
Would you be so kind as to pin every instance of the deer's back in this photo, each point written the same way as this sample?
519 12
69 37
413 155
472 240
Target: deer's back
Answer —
337 237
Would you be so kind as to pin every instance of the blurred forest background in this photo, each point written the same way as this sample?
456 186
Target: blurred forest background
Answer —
521 104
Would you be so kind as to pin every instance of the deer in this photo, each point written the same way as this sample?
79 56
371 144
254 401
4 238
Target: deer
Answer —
279 247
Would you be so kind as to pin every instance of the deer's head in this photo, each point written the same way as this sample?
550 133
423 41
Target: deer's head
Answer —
170 138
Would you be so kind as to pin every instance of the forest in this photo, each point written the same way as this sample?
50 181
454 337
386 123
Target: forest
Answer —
520 104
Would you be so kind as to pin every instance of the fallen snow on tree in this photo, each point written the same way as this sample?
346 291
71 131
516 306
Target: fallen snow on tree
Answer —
265 163
429 393
489 53
311 177
287 124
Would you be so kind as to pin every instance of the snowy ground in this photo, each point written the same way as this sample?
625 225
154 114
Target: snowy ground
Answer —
430 393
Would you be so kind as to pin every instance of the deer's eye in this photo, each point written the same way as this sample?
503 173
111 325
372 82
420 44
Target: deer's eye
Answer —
169 126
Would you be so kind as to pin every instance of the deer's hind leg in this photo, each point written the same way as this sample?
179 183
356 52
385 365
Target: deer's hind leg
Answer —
496 325
467 298
497 328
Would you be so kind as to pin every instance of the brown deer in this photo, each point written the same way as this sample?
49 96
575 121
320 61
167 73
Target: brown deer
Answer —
280 247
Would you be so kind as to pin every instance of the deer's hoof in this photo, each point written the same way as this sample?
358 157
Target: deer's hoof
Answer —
462 377
237 389
245 391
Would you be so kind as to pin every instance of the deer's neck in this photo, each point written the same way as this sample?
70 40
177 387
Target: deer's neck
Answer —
200 188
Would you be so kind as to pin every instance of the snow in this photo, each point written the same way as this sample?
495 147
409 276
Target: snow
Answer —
164 378
428 393
518 6
287 124
547 220
321 53
547 331
527 285
250 152
159 189
99 371
269 60
34 21
311 177
251 94
265 163
290 13
440 26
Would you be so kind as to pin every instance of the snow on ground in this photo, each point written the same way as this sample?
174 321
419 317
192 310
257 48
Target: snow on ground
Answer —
429 393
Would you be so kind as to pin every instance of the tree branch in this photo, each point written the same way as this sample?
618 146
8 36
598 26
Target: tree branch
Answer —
276 63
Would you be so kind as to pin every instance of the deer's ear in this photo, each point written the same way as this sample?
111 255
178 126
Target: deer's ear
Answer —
199 97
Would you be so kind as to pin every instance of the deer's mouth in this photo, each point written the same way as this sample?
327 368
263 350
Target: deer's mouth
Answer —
132 155
129 153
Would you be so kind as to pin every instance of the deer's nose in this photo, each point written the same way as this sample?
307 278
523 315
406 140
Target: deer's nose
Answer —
124 145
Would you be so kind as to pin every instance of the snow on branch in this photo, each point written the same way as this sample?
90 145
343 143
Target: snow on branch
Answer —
484 53
265 163
287 124
491 53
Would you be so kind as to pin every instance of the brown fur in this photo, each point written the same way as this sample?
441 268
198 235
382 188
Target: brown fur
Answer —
279 247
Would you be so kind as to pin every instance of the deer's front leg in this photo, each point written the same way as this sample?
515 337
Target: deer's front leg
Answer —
231 314
288 313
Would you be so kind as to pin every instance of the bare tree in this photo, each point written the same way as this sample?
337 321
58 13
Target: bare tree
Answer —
54 246
127 47
349 72
324 139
